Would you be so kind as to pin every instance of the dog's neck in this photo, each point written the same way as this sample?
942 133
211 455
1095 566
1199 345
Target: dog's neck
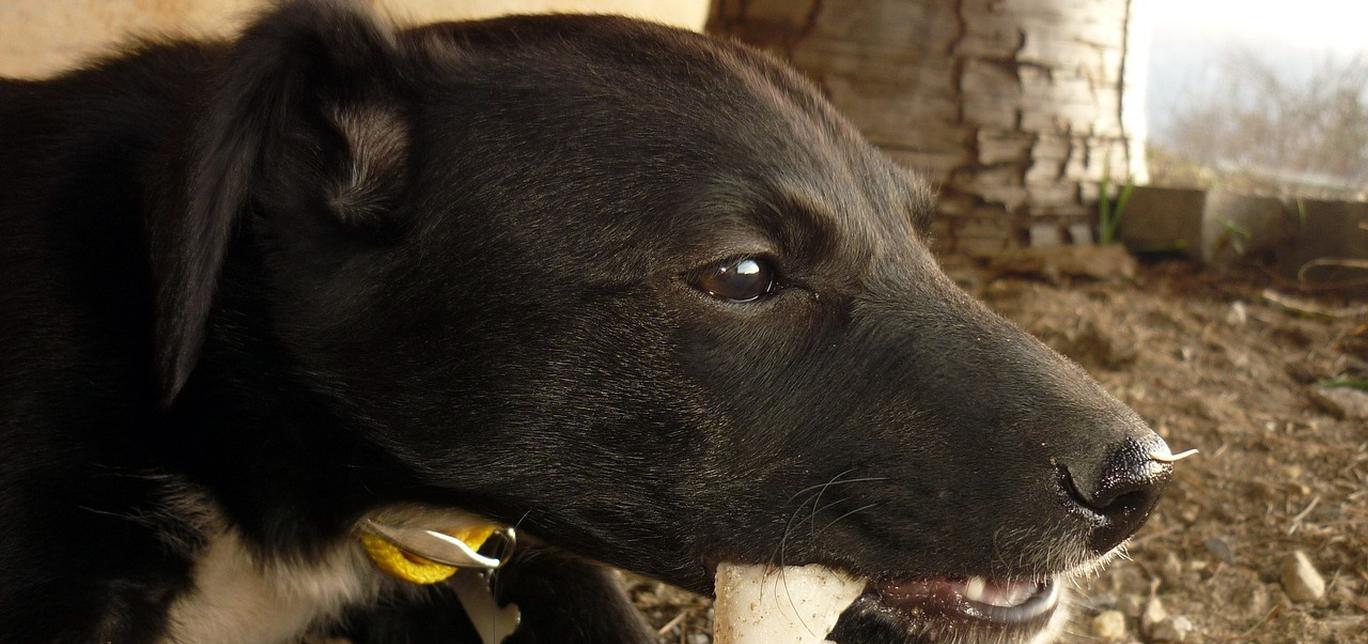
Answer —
283 469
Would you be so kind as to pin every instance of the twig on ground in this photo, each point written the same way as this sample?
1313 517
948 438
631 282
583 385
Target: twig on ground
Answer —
1244 637
1296 520
1331 262
672 623
1311 308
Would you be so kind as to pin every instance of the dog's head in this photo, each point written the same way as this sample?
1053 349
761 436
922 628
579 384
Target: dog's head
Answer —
650 296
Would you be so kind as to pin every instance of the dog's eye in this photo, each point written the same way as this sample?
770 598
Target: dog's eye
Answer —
738 280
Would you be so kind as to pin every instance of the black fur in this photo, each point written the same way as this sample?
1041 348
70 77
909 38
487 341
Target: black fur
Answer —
330 266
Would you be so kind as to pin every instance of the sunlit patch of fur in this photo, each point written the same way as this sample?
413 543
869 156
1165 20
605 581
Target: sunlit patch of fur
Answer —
378 143
1056 549
240 597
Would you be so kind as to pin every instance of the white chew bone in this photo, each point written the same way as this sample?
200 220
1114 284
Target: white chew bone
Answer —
763 605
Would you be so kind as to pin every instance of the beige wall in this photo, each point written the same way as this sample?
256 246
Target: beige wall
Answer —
40 37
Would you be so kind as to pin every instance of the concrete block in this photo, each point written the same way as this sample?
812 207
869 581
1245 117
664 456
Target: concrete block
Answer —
1238 227
1325 230
1223 228
1164 220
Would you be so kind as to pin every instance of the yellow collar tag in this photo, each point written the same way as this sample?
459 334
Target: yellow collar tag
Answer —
412 568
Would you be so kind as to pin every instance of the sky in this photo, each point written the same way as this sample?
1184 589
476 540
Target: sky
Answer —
1340 26
1192 38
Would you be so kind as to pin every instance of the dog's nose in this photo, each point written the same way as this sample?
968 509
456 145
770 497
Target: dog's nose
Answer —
1121 489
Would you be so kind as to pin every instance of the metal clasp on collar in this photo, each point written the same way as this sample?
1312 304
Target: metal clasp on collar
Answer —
438 547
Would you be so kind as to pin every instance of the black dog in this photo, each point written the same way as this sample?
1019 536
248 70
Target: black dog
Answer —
642 293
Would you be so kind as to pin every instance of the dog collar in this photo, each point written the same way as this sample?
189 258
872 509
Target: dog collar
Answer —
424 556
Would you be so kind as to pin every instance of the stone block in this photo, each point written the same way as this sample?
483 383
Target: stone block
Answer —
935 165
987 79
1055 10
1049 196
996 146
890 113
1081 234
1236 227
998 227
1053 116
929 26
993 213
1045 235
1051 146
1011 197
910 71
1056 89
1062 53
941 228
1000 184
954 203
1043 172
990 43
1325 230
1163 220
974 247
1063 212
990 113
1089 192
1223 228
982 176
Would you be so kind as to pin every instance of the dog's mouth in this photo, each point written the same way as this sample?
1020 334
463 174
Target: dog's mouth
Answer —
960 609
984 601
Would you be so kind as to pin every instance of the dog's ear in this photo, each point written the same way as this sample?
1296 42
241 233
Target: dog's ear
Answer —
307 96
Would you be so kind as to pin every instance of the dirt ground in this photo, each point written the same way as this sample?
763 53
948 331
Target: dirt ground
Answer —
1212 363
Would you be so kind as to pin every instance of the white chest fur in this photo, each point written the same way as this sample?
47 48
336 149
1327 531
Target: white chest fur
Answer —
240 599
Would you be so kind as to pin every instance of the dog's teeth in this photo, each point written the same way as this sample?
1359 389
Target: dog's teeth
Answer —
973 591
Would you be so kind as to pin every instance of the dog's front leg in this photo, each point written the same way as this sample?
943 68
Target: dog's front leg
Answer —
567 600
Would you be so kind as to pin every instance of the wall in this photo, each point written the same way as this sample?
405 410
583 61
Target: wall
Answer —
41 37
1013 107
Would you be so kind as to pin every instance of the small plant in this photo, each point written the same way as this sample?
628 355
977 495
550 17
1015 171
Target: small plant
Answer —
1360 384
1238 235
1109 214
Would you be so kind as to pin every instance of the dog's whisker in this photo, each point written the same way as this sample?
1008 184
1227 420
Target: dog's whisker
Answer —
783 578
819 486
814 533
818 500
830 505
106 513
847 514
